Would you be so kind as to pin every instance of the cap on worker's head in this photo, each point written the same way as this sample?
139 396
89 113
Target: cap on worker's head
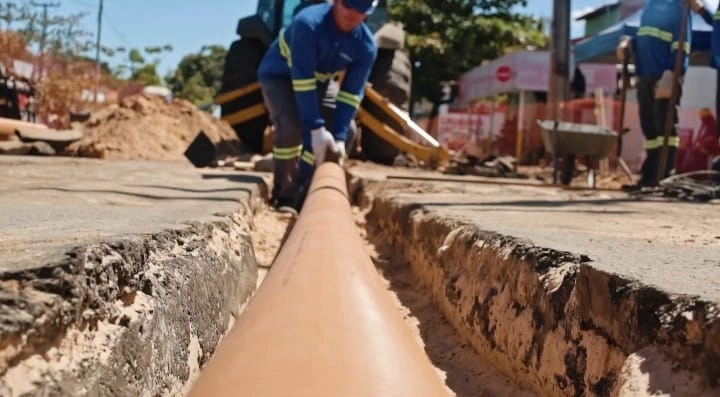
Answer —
364 6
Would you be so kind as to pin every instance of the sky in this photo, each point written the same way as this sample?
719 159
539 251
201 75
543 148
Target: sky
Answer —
187 25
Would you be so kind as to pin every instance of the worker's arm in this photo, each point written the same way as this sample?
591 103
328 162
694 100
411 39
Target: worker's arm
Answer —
670 60
302 51
699 7
352 90
625 48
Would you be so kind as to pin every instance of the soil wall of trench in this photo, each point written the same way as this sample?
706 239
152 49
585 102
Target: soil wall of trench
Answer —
131 317
549 320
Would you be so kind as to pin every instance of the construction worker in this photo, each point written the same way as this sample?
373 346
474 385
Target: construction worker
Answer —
655 48
311 111
715 63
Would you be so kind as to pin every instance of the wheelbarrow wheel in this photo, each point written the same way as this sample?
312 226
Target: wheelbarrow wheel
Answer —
567 168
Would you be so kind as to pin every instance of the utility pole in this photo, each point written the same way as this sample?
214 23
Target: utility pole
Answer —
43 35
560 57
97 52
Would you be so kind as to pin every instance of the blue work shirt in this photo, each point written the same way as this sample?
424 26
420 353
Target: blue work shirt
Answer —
657 39
715 43
313 50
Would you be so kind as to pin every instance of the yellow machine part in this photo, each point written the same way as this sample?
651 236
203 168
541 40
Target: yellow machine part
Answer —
435 155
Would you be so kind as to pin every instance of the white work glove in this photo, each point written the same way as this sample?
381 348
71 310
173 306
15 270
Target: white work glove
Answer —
340 149
624 48
322 141
663 88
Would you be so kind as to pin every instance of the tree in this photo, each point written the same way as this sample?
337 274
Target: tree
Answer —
147 75
199 75
449 37
136 62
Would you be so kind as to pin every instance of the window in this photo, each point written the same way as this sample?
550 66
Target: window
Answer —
292 7
266 12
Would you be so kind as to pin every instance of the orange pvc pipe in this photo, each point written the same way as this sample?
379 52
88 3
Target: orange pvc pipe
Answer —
323 323
8 126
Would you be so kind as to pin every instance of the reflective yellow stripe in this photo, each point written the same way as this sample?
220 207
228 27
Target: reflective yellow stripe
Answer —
651 144
717 15
348 98
657 143
285 49
301 85
655 32
288 153
675 45
325 76
308 158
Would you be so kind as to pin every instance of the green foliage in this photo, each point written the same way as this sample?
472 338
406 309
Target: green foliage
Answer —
199 75
448 37
147 75
134 56
135 62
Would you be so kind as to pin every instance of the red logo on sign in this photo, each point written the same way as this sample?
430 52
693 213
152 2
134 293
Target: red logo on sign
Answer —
503 73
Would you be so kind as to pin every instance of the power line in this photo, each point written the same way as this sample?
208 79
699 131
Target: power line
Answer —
83 3
115 29
97 50
43 35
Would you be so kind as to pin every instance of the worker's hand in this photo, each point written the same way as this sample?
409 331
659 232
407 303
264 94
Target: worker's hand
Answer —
336 153
663 88
340 150
624 48
697 5
322 141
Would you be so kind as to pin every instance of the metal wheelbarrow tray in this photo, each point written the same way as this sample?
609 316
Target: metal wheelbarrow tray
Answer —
565 141
562 138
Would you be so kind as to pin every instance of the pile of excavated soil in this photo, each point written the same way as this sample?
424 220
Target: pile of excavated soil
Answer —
147 128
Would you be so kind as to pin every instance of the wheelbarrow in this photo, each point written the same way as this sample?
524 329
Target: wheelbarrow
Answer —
566 140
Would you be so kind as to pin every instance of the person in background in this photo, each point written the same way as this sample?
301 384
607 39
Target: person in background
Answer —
703 146
655 49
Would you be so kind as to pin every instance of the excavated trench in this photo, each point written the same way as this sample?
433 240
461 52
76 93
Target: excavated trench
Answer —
464 370
496 316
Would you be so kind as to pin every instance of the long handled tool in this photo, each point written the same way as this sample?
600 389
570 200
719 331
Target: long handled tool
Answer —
674 93
625 74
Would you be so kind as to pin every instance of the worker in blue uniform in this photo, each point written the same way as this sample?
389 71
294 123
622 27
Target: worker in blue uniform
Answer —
313 78
655 48
714 20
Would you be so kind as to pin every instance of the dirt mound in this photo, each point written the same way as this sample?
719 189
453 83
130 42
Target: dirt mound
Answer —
148 128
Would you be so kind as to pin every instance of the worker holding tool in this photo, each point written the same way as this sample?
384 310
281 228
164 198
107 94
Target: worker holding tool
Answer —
311 111
655 49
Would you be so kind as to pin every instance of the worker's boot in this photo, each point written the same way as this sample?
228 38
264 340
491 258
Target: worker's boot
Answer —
285 205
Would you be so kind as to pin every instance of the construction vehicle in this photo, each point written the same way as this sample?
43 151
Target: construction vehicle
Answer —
17 97
386 127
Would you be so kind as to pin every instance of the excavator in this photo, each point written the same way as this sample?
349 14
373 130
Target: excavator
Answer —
386 128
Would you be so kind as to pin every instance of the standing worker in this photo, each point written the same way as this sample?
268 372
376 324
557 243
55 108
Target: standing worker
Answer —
655 48
298 79
715 63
